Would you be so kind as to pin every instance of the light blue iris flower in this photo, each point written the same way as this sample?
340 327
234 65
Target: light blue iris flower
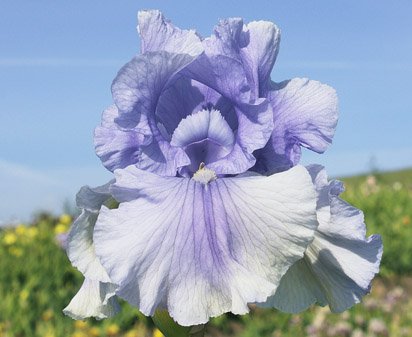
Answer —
209 210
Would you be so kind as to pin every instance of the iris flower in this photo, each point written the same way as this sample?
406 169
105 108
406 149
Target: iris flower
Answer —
209 210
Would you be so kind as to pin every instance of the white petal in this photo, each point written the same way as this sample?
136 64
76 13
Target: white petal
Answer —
92 198
94 299
80 248
344 268
202 250
297 290
339 264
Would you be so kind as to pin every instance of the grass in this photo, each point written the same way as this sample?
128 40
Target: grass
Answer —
37 281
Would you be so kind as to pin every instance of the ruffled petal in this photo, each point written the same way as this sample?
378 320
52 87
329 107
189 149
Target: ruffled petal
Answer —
345 268
201 250
305 113
157 33
136 92
92 198
117 147
297 290
336 217
223 74
138 85
220 67
186 97
339 264
254 129
260 53
162 158
236 162
80 247
177 102
255 46
255 124
94 299
230 68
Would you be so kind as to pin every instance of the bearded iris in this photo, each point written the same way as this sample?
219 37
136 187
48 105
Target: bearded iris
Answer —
209 210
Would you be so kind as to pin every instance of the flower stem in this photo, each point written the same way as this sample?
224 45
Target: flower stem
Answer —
170 328
197 331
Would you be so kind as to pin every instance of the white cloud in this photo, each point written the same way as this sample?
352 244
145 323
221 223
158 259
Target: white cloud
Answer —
26 190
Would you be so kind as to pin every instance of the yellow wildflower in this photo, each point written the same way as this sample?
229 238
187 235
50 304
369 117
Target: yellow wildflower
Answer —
112 329
47 315
94 331
21 230
32 232
24 295
60 228
16 251
157 333
10 238
49 333
80 324
79 334
131 333
65 219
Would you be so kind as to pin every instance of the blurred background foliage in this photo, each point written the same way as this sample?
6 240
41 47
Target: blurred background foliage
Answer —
37 280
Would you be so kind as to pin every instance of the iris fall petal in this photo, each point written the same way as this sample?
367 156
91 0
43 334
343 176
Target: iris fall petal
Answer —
200 250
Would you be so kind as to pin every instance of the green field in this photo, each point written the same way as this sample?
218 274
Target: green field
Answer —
37 281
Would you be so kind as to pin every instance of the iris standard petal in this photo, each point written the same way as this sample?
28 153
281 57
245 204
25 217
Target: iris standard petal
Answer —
160 157
260 53
177 102
187 96
157 33
255 46
136 91
254 129
255 124
223 74
117 147
305 113
94 299
139 84
338 265
200 250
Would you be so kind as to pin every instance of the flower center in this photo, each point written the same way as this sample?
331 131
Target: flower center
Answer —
205 136
204 175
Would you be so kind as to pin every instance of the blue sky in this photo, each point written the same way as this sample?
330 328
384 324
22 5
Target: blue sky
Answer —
58 58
